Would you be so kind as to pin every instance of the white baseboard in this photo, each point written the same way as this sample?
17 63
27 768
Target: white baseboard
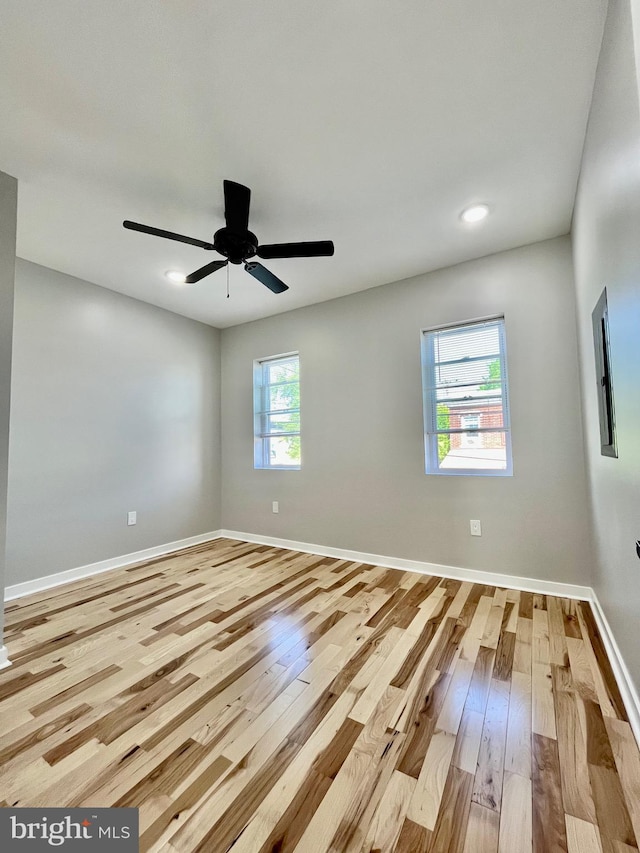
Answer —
628 689
583 593
40 584
543 587
455 572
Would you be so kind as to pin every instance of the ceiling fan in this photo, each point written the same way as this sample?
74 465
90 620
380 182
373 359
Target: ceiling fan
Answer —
238 244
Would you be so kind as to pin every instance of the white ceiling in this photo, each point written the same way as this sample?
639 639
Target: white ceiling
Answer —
370 123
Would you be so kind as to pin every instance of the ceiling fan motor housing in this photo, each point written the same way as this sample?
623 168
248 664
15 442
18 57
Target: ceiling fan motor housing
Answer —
237 246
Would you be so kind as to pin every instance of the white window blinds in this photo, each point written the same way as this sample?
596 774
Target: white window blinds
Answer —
466 408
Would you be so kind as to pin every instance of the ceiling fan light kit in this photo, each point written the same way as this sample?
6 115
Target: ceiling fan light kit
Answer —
239 245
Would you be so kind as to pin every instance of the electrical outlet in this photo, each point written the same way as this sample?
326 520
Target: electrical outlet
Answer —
132 518
274 506
475 527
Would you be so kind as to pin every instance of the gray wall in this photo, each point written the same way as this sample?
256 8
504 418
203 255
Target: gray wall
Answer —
8 202
362 484
115 407
607 252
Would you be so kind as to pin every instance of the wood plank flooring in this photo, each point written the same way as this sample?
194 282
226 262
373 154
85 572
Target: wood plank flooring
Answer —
253 699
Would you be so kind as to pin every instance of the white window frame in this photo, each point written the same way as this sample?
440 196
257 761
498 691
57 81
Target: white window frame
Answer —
261 412
430 403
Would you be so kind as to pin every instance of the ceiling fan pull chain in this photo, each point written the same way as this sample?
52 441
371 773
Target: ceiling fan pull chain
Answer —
227 281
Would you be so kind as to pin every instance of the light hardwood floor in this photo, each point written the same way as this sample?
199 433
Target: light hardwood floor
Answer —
249 698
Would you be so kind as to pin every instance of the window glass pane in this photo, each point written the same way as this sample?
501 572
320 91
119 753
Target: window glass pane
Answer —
281 371
277 412
465 399
283 451
484 372
471 414
472 451
285 396
289 422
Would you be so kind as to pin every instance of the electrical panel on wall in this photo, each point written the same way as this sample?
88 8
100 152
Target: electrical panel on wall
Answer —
604 380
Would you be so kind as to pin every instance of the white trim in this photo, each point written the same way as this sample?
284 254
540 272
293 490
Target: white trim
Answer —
40 584
585 593
455 572
623 678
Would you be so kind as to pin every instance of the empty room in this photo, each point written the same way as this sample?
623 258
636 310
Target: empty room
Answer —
319 426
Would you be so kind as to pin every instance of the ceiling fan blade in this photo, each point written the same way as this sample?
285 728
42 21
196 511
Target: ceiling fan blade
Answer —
204 271
236 206
169 235
265 277
316 249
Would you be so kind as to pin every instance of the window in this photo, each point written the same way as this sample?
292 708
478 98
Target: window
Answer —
600 319
466 411
276 412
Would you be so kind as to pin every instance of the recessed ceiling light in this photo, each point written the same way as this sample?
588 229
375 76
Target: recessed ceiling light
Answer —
475 213
175 276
